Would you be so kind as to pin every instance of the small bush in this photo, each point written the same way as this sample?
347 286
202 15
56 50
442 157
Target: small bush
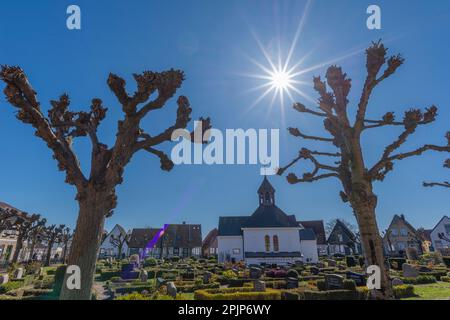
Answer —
404 291
150 262
229 274
321 285
349 284
396 263
445 279
446 261
292 274
350 261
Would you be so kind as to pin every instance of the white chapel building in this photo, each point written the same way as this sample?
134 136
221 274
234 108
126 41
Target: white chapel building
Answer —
267 236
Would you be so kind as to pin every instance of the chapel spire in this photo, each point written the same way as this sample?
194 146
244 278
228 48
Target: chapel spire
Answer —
266 193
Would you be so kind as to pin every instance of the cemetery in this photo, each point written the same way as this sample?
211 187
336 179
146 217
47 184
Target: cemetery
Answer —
333 278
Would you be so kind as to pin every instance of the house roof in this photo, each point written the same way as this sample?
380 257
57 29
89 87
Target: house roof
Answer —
272 254
319 229
270 217
266 186
231 226
348 235
307 234
175 235
210 237
442 219
402 219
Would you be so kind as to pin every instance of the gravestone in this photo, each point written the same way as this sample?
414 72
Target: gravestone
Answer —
291 283
314 271
342 267
320 265
171 289
207 277
397 282
334 281
409 271
40 272
359 278
18 274
331 262
143 276
425 269
128 272
259 286
255 273
4 278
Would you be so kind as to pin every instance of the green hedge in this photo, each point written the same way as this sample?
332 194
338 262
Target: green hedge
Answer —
236 294
9 286
445 279
404 291
419 280
134 289
106 275
192 288
324 295
446 261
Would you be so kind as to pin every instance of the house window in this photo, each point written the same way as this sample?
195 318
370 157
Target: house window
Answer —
401 246
403 232
236 251
394 232
276 246
175 251
340 238
185 252
267 242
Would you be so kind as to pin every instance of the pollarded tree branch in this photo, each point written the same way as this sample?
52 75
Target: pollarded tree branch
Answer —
445 184
301 108
313 175
20 94
296 133
376 58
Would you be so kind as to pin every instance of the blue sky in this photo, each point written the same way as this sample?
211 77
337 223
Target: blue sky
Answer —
211 41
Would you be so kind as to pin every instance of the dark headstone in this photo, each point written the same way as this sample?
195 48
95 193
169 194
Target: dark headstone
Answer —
409 271
291 283
207 277
160 282
331 262
334 281
360 279
425 269
397 282
314 271
255 273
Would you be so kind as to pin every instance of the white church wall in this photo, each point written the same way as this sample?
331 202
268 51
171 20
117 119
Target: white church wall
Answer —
288 239
230 247
309 250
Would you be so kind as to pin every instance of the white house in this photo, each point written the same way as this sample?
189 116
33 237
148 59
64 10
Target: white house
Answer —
110 246
440 235
267 236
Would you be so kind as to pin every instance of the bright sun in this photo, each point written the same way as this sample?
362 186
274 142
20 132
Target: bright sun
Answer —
281 80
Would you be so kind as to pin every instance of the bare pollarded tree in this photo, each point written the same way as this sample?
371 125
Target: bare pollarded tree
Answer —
96 193
24 226
348 164
119 241
53 235
66 236
445 184
7 219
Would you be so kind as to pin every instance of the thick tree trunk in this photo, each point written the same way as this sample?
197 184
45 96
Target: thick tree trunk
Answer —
49 253
33 245
85 245
64 253
364 203
19 244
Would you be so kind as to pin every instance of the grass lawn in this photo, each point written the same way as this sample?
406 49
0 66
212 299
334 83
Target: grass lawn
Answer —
435 291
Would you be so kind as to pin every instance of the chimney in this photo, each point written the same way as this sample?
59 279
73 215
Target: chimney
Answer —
403 217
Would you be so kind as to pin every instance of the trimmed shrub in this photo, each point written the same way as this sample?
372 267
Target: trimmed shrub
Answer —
236 294
9 286
445 279
332 295
292 273
134 289
277 284
59 279
404 291
321 285
446 261
419 280
107 274
150 262
350 261
133 296
349 284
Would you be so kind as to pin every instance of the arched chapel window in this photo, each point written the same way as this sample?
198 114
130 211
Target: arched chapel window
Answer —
267 243
276 246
